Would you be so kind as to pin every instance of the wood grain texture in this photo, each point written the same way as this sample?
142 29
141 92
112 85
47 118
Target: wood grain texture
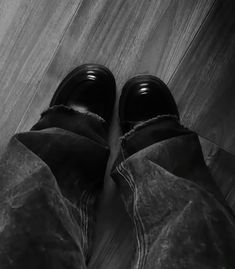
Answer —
30 33
204 82
171 36
119 34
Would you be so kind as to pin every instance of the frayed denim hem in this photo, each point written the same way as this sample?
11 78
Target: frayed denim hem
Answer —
148 122
70 110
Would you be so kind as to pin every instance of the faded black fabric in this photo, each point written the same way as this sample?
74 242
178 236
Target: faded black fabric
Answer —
50 178
180 218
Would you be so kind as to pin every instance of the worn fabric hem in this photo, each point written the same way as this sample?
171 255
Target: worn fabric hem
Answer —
147 123
63 108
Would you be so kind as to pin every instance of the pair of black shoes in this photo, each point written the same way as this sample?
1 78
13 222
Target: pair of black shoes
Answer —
92 88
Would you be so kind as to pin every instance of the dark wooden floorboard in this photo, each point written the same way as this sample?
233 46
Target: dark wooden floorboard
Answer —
171 36
30 33
204 82
122 34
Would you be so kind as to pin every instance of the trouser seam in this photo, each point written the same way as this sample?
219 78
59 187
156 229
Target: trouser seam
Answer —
142 244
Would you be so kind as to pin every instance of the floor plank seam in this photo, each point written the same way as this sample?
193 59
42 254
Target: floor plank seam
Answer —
212 8
49 63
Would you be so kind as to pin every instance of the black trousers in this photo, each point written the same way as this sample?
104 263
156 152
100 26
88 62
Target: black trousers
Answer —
52 175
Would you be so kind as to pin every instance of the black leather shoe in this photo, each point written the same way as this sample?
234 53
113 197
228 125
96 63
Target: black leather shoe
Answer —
144 97
89 87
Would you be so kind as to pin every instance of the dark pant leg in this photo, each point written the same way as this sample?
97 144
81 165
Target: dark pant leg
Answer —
50 177
181 220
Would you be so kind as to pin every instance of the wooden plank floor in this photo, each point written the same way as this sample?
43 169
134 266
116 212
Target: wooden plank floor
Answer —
187 43
31 32
204 82
118 33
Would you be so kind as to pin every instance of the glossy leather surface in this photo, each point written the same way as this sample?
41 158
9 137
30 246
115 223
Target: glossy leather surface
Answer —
91 87
144 97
